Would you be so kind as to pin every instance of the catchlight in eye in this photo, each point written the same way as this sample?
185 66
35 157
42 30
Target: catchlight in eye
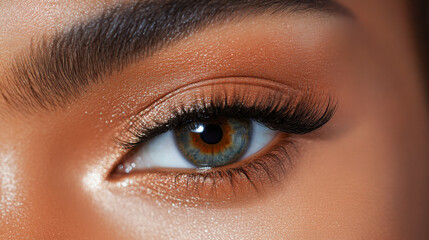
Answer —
214 143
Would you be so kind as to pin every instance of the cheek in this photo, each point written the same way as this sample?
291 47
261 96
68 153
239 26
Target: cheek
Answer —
351 185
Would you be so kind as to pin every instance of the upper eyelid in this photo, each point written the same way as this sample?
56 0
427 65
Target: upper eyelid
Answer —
249 81
316 114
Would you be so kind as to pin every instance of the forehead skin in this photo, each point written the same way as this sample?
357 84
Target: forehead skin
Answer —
387 27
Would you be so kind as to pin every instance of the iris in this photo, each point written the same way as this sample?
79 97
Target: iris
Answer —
214 143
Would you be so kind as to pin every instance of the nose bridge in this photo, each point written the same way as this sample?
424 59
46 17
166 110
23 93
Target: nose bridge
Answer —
43 201
29 209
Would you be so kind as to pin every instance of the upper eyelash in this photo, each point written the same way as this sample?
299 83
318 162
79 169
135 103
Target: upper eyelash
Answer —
296 115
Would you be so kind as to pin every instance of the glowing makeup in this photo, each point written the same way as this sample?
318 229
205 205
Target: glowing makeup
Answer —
228 106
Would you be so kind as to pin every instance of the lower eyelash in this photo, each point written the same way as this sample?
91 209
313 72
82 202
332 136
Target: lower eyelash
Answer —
224 184
272 166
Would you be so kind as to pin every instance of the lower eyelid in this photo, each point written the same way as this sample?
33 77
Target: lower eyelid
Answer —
220 185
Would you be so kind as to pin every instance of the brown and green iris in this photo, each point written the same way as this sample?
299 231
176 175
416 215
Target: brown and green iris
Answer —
214 143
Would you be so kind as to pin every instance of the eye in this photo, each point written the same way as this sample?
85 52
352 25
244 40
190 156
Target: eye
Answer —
216 143
202 145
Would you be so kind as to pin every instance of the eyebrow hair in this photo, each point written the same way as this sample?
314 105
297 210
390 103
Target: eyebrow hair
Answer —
54 71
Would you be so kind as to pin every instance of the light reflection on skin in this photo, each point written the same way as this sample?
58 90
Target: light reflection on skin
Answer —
8 188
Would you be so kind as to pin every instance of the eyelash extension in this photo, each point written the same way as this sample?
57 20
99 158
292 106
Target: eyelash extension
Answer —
296 115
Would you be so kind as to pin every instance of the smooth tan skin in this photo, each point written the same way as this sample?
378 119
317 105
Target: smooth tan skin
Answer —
362 176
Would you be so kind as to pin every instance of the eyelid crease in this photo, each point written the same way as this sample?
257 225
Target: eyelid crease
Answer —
247 80
265 101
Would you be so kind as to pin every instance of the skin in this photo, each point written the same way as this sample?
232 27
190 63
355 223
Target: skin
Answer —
362 176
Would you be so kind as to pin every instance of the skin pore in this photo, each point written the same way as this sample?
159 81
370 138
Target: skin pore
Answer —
360 176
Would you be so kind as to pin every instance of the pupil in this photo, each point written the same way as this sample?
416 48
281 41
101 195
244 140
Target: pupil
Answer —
211 134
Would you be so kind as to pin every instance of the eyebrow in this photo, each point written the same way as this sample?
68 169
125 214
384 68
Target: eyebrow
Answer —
56 70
